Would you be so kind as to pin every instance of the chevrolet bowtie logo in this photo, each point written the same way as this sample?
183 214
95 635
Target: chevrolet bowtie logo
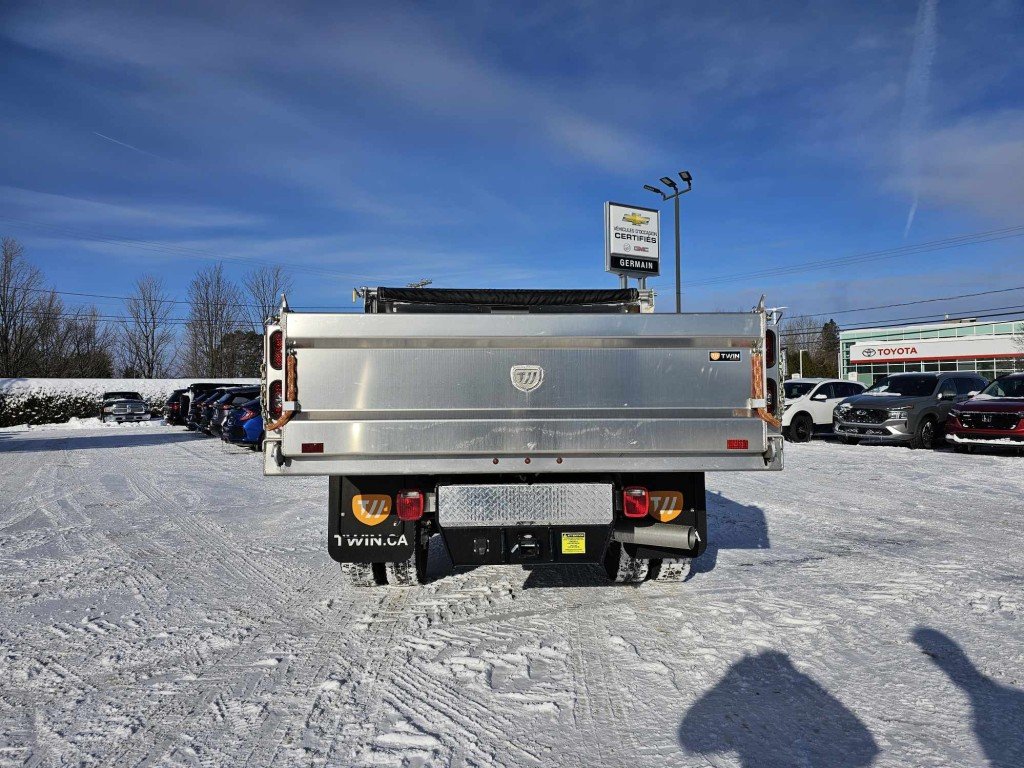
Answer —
636 219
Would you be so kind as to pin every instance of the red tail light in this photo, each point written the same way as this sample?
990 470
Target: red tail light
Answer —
409 505
276 350
769 349
276 399
636 501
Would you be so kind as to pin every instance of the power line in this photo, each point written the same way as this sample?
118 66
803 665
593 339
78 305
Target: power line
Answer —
910 303
955 241
909 321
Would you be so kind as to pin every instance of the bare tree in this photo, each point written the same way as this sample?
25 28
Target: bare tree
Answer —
214 313
20 288
265 286
800 333
146 338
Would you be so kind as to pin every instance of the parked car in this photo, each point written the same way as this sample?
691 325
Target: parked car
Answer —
233 397
199 411
172 408
994 417
233 430
190 400
253 429
208 407
123 406
810 403
908 407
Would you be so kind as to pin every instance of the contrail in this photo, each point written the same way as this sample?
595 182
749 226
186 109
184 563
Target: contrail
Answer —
129 146
915 103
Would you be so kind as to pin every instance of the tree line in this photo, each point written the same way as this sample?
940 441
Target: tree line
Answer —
220 335
819 344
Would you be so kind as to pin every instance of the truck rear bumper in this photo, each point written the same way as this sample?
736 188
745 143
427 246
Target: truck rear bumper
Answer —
277 464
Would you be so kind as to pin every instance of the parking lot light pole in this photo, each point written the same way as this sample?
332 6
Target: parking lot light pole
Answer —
802 362
669 182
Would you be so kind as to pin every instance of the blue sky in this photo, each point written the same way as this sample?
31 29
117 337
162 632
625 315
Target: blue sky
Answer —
475 143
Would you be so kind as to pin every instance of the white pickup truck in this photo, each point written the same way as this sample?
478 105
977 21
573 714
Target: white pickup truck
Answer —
521 426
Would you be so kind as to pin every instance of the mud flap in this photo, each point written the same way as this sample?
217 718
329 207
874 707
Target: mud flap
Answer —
362 526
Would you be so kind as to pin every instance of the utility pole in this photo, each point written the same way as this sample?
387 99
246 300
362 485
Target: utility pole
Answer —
669 182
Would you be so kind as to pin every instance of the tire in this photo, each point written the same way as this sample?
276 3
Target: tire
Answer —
413 570
364 574
801 428
926 434
674 569
622 568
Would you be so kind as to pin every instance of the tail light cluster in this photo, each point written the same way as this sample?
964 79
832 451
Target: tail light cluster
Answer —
636 501
276 404
771 360
409 505
276 350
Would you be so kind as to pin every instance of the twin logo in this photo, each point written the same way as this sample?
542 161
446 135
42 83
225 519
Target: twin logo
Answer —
371 508
666 506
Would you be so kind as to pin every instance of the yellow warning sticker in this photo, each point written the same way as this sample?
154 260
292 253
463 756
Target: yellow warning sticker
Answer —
574 543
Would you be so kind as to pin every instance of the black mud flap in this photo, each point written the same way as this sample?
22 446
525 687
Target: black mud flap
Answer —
362 525
676 499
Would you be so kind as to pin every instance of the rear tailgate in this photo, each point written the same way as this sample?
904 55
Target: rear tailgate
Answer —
385 394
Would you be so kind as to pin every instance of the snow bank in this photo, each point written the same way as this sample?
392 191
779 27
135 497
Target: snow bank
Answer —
148 388
55 401
91 422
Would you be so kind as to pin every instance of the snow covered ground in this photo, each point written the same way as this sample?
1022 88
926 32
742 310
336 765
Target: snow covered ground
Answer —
164 604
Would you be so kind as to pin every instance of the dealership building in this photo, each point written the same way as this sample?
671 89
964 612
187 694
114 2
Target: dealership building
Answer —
988 348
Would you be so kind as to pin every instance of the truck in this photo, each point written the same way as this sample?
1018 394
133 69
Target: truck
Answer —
519 427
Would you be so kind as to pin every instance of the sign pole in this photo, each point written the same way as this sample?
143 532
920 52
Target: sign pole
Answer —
679 284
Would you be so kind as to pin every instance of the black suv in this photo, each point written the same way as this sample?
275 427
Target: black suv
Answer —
909 407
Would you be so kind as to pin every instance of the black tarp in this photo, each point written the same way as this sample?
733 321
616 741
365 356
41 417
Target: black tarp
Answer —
498 297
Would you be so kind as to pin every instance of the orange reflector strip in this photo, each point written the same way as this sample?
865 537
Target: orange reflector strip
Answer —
737 445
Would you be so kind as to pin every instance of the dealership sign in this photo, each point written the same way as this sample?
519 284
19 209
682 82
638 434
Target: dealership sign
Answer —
631 240
963 348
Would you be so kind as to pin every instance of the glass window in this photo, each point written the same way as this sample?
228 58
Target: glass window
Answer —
948 387
947 365
1012 386
912 385
795 389
966 365
964 385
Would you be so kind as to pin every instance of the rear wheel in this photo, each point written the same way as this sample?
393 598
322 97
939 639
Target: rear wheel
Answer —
364 574
412 570
801 428
670 569
624 568
925 434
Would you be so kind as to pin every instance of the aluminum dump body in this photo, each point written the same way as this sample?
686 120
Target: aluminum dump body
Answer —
522 393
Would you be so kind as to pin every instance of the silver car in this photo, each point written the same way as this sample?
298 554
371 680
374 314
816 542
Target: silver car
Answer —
907 407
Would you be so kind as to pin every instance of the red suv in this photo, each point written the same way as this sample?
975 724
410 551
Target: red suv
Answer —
995 417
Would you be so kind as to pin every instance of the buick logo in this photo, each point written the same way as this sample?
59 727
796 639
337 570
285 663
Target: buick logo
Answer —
527 378
868 352
986 417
